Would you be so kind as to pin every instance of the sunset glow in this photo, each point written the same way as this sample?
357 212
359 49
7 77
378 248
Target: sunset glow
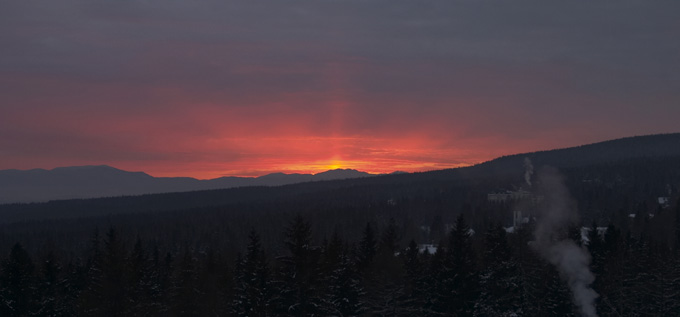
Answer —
308 155
222 89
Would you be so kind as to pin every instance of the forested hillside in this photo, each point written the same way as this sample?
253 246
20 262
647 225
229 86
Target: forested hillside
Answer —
354 247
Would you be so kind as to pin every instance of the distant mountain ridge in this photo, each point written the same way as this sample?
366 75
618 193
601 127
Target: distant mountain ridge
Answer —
78 182
92 181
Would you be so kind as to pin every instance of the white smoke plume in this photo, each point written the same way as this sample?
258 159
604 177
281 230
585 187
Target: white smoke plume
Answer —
552 243
528 170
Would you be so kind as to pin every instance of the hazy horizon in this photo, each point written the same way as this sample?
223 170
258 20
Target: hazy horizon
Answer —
264 173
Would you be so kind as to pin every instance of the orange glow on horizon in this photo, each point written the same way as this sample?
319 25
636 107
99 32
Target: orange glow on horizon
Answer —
238 97
219 141
315 167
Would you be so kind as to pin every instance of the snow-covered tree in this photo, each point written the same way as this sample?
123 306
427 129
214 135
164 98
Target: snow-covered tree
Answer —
339 281
252 284
297 276
459 284
16 288
500 281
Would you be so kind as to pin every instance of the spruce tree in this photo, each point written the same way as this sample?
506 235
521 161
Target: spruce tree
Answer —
367 247
211 285
544 292
596 249
608 280
138 272
460 281
500 281
345 289
185 295
383 279
415 288
17 283
160 273
340 283
434 278
114 275
297 278
252 284
91 298
51 291
677 227
389 241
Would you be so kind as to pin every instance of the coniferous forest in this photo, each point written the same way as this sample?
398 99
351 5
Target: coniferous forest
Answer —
425 244
491 273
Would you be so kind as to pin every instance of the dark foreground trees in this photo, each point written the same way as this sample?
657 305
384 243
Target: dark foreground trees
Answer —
17 295
492 273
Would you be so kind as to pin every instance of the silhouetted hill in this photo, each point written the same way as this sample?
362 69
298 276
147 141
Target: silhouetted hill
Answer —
634 151
340 174
104 181
650 146
69 182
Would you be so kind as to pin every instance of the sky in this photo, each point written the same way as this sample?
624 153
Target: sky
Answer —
211 88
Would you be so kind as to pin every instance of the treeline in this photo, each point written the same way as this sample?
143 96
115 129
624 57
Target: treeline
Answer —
490 273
